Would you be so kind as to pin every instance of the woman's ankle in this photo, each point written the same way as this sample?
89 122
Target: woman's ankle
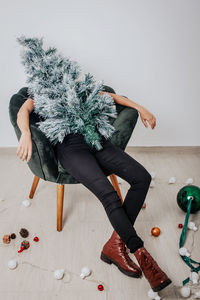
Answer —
132 250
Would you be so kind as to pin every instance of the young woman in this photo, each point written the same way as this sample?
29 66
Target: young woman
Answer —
88 166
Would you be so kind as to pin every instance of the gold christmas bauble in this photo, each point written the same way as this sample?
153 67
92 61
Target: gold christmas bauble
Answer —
155 231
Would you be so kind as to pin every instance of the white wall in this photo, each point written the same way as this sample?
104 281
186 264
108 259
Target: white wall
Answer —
147 50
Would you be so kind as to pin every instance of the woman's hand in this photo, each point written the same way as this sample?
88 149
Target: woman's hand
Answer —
145 115
25 146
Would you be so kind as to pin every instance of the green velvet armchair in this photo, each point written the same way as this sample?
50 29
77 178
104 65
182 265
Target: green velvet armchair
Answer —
44 163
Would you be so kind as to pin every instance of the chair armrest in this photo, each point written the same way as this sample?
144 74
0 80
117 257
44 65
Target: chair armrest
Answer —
45 152
124 125
43 162
34 163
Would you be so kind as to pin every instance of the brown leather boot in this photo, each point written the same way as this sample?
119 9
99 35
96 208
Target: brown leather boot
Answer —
114 251
156 277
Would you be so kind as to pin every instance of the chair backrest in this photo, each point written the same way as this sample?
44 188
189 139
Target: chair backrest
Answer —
108 89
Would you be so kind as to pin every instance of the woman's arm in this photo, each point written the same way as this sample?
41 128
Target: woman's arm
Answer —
123 100
25 142
145 115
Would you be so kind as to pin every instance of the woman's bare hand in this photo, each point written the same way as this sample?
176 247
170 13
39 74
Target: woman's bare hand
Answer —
25 146
145 115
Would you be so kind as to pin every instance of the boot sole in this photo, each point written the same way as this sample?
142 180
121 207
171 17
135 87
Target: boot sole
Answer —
109 260
162 285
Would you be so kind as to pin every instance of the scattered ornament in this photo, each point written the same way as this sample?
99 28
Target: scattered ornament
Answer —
36 239
189 194
189 180
191 225
24 245
155 231
183 252
58 274
100 287
172 180
12 236
6 239
194 276
26 202
12 264
153 295
188 199
152 183
24 232
197 295
153 174
180 225
85 271
144 205
185 291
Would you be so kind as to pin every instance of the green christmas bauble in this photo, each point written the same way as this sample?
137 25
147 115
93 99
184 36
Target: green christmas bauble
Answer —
184 195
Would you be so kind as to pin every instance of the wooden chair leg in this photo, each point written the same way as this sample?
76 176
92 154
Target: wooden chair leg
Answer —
115 184
60 197
34 186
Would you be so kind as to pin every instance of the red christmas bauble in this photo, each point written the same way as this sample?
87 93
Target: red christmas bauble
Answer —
144 205
180 225
100 287
36 239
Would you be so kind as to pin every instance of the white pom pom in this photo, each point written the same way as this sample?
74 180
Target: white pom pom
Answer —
183 251
12 264
194 276
26 202
153 174
195 228
58 274
172 179
152 183
85 271
191 225
189 180
152 294
197 295
185 291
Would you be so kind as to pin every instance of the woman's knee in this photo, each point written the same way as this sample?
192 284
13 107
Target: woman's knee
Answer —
147 177
141 176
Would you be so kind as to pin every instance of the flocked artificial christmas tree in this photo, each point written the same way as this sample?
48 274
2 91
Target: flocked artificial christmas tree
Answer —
66 103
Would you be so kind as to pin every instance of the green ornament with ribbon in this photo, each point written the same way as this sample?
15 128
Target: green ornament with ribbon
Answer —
188 199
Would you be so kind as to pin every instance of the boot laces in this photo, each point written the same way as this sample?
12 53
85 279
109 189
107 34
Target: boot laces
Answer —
149 265
122 245
123 250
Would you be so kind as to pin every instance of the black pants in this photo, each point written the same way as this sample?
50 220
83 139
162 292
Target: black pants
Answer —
89 166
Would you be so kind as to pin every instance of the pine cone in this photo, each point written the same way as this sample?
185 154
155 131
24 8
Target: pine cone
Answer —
24 232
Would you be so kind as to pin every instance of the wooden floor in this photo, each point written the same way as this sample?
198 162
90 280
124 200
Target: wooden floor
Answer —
86 228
